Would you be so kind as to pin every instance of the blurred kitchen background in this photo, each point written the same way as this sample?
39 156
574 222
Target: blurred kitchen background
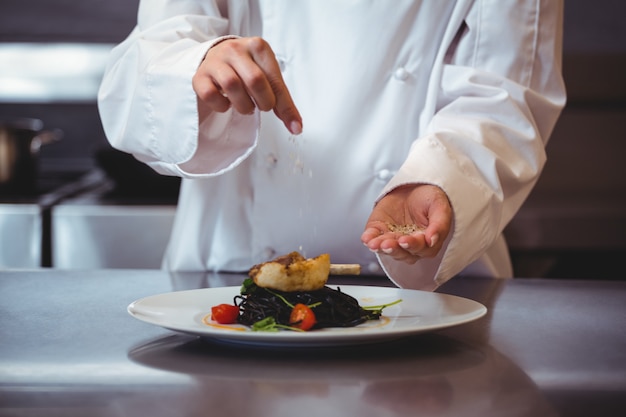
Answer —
68 208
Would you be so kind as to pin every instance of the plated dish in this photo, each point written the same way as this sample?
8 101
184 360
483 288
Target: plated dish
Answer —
420 311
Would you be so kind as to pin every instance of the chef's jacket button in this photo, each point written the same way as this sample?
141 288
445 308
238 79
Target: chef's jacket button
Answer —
384 175
269 253
401 74
271 160
373 267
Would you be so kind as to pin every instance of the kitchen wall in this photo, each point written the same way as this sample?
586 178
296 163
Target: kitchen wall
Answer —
51 24
573 224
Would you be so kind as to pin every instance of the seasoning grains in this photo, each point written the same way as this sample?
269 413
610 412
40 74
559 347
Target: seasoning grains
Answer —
297 165
405 229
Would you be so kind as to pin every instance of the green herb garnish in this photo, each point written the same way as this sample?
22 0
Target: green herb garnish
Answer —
378 310
268 324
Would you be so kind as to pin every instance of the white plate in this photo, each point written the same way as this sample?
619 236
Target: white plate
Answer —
419 311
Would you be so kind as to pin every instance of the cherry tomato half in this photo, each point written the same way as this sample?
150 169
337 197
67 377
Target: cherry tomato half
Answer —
302 317
225 313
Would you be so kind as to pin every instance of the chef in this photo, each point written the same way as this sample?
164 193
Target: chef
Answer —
402 135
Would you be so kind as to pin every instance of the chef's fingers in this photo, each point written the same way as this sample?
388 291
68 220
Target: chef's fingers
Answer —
370 233
377 238
225 74
251 85
416 244
209 92
245 72
283 104
402 247
233 87
222 90
439 223
432 209
424 244
391 247
230 76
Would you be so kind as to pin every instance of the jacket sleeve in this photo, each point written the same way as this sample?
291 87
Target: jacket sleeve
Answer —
498 93
146 100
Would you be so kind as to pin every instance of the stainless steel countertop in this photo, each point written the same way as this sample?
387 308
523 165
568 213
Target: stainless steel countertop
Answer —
68 347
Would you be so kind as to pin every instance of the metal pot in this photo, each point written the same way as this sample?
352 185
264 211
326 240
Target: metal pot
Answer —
20 142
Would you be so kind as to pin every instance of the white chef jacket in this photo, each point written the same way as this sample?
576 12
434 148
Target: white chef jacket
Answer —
460 94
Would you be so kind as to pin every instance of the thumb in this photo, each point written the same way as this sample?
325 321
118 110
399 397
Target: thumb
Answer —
439 224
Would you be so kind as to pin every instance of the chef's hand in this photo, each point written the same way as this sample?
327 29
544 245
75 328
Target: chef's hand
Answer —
243 73
426 206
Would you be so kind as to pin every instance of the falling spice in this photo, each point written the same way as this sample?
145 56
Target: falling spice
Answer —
297 162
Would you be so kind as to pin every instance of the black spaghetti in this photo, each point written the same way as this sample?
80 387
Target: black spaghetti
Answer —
332 307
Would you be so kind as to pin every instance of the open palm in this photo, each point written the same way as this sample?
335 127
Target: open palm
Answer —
409 223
